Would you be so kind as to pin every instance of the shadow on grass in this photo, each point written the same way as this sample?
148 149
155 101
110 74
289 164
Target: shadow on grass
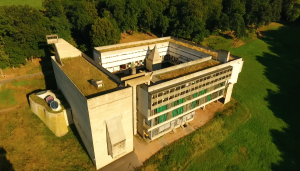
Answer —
4 162
284 71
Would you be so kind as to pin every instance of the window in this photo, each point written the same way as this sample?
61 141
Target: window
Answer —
164 100
204 78
192 89
182 93
201 79
171 97
154 96
203 85
166 92
196 87
154 103
182 86
159 102
187 84
159 94
208 77
197 81
172 90
187 91
177 88
207 83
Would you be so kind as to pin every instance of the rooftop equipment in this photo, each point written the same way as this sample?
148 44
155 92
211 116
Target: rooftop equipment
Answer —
97 83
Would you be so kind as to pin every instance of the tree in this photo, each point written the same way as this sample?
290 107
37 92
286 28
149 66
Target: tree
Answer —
164 24
103 33
60 25
54 8
23 36
292 9
224 22
237 24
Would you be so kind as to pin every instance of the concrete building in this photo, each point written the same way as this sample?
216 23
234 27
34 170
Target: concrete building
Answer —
146 87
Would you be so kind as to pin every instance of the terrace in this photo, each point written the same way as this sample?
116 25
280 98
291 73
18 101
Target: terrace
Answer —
187 70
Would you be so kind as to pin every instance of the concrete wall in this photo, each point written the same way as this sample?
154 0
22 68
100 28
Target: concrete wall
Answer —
178 50
56 122
142 102
66 50
132 43
105 107
128 55
78 104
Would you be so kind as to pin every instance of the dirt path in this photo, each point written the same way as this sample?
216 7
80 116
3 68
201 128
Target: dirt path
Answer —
24 76
9 109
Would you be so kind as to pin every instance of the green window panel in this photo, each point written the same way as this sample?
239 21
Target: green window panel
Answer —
209 97
194 104
160 119
205 90
150 123
165 117
195 95
158 110
175 112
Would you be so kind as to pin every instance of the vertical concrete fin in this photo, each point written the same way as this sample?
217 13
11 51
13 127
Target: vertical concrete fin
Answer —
223 56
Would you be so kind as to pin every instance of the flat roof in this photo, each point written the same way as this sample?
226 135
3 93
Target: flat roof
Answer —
81 72
187 70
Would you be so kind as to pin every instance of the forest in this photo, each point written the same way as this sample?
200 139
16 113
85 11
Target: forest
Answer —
90 23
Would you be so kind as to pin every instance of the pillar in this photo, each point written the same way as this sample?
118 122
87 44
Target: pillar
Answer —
223 56
134 113
228 93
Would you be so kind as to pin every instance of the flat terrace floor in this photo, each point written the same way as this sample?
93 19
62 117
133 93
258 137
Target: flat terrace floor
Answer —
81 72
187 70
127 72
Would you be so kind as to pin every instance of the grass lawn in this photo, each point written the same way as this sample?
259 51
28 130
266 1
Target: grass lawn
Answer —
37 65
267 86
25 141
33 3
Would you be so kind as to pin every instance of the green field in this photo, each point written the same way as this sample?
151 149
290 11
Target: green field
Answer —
267 86
33 3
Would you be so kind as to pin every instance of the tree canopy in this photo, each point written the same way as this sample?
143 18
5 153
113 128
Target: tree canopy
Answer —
88 23
103 33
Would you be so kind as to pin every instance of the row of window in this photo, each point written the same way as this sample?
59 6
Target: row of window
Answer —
185 108
168 126
125 59
159 101
203 79
185 99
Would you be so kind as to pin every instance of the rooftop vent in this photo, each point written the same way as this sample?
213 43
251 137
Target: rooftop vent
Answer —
97 83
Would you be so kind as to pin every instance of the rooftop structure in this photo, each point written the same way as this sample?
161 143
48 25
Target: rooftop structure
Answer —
81 72
147 88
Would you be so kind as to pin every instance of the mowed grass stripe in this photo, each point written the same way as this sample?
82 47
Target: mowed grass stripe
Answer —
268 87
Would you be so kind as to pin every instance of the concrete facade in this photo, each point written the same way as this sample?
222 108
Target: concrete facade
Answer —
142 103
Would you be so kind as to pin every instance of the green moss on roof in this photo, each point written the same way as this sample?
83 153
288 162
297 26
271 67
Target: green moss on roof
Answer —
187 70
43 103
80 71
